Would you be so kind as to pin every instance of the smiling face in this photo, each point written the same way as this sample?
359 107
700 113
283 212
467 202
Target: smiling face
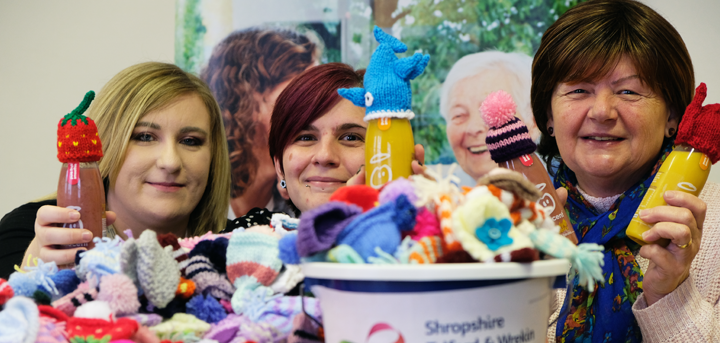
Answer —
609 131
166 167
466 129
323 156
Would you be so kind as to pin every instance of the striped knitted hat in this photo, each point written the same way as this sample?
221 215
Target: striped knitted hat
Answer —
508 136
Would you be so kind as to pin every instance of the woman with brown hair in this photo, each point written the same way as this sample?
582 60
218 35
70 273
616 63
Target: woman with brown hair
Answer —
610 83
246 73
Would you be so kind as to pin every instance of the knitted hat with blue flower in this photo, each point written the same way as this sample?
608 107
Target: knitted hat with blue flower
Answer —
386 92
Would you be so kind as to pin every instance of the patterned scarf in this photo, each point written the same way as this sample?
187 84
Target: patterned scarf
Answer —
605 314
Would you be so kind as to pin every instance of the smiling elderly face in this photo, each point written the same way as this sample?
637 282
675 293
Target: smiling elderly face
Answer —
466 129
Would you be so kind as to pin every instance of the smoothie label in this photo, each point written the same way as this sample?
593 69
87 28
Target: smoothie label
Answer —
384 124
73 173
704 162
526 160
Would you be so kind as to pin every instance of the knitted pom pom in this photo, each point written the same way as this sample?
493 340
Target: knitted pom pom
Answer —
393 189
22 284
6 292
288 249
66 281
206 308
120 293
498 108
186 288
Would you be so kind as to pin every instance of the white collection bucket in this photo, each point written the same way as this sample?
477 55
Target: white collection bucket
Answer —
436 303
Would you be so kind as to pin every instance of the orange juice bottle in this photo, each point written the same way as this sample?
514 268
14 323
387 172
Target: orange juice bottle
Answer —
389 150
685 170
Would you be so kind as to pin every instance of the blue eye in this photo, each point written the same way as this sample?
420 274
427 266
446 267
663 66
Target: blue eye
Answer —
192 141
627 92
578 91
143 137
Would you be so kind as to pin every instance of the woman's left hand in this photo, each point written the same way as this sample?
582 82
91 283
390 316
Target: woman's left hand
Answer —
418 167
681 223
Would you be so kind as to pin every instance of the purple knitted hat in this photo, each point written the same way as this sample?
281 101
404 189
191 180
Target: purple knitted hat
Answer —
320 226
508 137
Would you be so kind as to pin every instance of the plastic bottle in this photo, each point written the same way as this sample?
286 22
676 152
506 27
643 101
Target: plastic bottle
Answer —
511 147
686 170
389 151
80 186
387 98
687 167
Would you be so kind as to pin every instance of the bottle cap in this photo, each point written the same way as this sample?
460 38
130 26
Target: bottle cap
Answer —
508 137
77 135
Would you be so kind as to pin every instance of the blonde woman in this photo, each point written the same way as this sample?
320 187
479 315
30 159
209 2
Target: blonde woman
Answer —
165 167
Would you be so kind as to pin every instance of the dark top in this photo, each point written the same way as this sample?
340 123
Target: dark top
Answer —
17 230
254 217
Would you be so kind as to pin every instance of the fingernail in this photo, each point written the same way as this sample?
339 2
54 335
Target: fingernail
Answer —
86 236
74 215
669 195
644 235
643 213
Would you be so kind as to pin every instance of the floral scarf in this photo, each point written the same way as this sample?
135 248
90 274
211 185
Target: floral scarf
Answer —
605 313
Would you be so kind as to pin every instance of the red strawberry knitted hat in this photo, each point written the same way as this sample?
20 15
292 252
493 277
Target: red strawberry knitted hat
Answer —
699 126
78 139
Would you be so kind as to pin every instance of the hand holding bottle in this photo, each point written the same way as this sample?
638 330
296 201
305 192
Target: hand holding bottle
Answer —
49 234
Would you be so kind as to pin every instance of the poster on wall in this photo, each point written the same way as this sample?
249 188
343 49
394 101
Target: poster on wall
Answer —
476 47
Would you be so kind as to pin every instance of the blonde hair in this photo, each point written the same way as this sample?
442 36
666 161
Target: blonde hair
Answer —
149 86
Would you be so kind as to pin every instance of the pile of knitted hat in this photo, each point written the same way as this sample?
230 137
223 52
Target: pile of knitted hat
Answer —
212 288
420 220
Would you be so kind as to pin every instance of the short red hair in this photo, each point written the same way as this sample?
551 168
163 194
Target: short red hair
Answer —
308 97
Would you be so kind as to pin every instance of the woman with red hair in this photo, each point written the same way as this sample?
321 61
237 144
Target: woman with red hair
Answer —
317 139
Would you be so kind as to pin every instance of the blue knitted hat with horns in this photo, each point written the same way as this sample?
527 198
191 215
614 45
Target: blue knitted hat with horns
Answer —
386 92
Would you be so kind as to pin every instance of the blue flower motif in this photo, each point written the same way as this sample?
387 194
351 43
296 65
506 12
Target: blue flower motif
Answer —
494 233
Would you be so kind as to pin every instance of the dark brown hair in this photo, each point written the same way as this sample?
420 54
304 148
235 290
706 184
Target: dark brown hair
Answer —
307 98
589 40
246 62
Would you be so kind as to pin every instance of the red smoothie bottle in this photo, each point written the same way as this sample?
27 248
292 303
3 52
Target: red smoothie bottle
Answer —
80 186
511 147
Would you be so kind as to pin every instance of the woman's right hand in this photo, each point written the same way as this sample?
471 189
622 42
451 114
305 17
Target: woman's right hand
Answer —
48 235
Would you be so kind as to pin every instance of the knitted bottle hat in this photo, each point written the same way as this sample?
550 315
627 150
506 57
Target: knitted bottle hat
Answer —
699 125
77 135
508 137
379 227
386 92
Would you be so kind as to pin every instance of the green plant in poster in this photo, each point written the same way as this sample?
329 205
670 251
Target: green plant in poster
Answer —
189 36
451 29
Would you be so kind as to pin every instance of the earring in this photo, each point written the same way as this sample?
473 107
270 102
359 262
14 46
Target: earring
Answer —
551 131
283 184
671 132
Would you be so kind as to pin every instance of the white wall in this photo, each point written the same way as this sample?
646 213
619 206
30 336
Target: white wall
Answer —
52 52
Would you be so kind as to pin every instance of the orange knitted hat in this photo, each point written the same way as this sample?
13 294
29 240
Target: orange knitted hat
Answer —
77 135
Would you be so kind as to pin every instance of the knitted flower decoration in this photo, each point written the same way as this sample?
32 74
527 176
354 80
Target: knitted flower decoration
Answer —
77 135
494 233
